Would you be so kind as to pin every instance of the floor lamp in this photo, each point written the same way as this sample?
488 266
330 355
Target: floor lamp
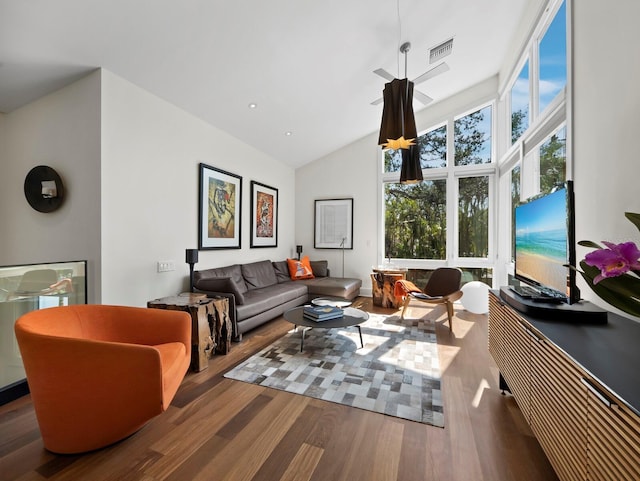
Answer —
344 239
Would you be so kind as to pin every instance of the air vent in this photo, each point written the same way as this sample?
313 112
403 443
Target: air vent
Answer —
440 51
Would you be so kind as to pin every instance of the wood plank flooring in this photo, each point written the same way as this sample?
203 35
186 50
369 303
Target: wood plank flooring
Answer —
219 429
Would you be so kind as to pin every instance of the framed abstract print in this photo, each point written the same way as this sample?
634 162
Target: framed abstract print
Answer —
220 209
333 224
264 215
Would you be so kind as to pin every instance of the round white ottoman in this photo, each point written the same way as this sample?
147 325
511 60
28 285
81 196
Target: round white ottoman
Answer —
475 297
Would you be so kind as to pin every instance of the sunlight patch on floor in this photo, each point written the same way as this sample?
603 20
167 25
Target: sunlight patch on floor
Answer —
484 384
446 354
461 326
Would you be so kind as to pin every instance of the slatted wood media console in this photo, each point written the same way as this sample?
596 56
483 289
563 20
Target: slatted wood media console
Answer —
586 431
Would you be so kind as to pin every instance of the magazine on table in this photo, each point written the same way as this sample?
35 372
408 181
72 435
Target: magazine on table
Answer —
322 313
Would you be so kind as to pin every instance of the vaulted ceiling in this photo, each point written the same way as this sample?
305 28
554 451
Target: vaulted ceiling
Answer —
307 65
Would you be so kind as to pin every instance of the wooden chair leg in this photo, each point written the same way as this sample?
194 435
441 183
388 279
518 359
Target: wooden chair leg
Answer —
407 300
450 314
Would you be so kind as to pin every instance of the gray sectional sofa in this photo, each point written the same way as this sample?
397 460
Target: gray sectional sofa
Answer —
263 290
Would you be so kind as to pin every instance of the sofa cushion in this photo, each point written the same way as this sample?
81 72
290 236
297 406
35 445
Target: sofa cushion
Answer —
259 274
343 287
233 272
261 300
220 284
320 268
281 269
300 269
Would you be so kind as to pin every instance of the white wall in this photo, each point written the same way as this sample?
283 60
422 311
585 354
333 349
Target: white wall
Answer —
354 172
4 161
151 152
129 163
61 130
606 102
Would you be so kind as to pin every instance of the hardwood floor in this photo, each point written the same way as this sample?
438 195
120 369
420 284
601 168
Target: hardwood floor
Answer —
229 430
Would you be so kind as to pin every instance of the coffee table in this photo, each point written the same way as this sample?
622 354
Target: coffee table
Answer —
352 317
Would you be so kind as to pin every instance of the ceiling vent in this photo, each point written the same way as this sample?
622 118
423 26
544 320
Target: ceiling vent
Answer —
440 51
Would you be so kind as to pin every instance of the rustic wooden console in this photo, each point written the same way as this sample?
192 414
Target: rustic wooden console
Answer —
578 386
382 287
210 324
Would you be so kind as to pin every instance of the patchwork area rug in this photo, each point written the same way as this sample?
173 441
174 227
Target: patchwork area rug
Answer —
396 373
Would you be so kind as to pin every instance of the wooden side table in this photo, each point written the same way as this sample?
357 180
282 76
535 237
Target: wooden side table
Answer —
382 283
219 320
221 328
209 324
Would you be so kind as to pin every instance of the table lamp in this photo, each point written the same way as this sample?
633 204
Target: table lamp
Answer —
299 251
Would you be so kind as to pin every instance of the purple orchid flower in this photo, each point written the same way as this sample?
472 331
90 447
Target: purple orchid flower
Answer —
614 261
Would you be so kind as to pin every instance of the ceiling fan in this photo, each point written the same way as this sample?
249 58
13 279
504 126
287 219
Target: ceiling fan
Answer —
432 72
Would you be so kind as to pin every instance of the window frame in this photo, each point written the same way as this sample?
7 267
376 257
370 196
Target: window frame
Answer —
525 152
451 174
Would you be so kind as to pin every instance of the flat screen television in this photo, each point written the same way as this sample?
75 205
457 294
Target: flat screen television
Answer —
545 243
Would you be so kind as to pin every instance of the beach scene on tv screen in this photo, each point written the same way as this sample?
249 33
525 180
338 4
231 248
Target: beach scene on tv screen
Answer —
541 240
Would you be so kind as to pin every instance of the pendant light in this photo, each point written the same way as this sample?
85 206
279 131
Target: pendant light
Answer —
398 125
411 170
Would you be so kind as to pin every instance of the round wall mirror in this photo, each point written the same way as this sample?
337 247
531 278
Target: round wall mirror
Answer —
43 189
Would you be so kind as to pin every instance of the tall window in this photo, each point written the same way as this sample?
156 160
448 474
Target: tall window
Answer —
553 59
553 161
433 151
433 148
473 217
416 224
416 220
539 163
515 200
520 104
472 138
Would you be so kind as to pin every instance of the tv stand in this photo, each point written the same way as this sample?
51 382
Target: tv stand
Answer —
576 386
582 312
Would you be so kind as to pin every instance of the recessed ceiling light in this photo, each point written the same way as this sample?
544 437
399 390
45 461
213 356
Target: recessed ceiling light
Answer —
253 105
288 133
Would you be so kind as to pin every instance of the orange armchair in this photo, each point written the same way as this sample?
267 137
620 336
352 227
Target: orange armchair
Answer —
99 373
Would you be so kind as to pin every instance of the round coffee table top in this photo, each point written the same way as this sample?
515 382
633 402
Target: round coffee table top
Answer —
330 301
351 317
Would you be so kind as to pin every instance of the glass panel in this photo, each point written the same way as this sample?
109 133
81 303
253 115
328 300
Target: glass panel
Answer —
520 104
472 138
392 160
473 216
553 161
553 59
515 200
420 277
433 151
433 148
416 220
27 288
477 274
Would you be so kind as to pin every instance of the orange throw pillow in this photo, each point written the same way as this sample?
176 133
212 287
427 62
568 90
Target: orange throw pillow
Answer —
300 269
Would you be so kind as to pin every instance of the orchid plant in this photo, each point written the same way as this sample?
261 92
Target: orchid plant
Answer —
613 271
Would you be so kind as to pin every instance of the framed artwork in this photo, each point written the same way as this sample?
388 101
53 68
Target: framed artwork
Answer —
219 209
264 215
333 227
